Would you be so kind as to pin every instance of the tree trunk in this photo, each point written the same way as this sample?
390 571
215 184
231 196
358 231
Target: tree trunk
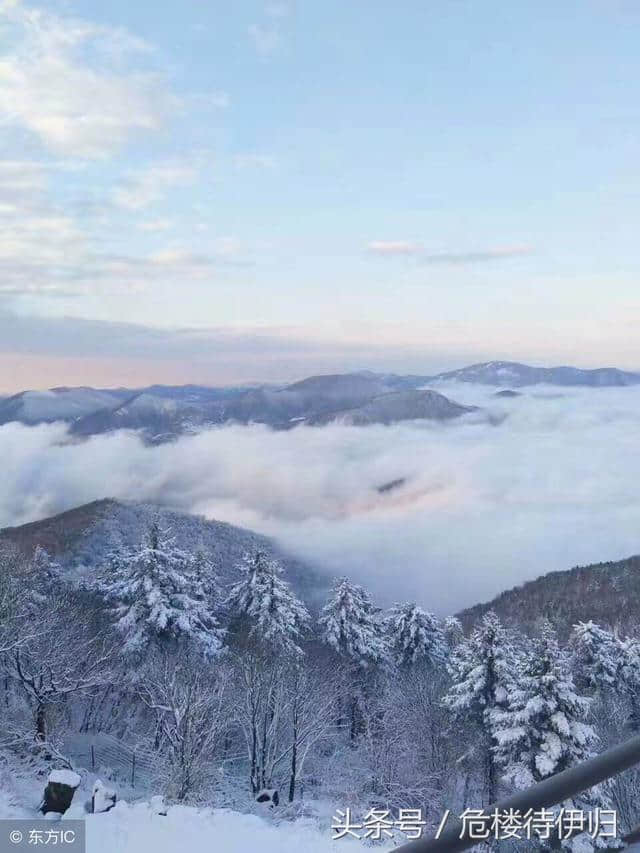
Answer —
41 722
294 768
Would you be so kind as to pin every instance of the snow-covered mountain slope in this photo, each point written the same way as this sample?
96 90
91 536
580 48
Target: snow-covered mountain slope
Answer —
316 400
398 406
81 539
160 418
66 404
307 399
511 373
607 593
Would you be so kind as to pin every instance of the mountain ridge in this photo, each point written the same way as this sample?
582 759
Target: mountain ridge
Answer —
163 412
81 538
606 592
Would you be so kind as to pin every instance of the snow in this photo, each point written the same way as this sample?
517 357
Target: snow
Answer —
139 828
64 404
65 777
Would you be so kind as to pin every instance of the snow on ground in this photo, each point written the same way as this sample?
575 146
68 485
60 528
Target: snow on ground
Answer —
137 828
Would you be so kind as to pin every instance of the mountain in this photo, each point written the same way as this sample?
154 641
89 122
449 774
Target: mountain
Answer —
81 539
511 373
397 406
162 412
160 418
309 398
357 398
607 593
57 404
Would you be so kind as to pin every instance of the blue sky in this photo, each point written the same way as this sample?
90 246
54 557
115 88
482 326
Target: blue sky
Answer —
412 185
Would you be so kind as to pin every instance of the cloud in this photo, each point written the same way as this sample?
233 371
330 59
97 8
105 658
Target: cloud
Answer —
77 86
155 225
483 507
499 253
393 247
254 161
267 35
390 248
150 184
266 39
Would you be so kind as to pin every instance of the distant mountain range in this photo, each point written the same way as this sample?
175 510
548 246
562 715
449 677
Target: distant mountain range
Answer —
510 373
163 412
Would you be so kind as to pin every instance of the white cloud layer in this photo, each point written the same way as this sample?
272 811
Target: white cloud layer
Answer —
483 508
75 105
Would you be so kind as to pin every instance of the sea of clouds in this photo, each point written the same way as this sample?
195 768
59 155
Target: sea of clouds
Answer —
550 480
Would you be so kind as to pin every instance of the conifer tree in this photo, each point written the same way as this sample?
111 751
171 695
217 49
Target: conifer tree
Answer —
415 636
276 619
483 668
545 730
157 598
596 657
352 627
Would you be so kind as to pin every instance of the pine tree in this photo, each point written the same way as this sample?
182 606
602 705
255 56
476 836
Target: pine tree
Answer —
352 627
453 632
276 618
156 597
205 574
44 574
544 730
628 681
415 636
596 657
483 668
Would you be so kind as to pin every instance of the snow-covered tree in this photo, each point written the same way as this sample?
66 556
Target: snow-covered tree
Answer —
276 618
453 631
415 636
596 656
205 573
545 730
191 715
157 597
483 668
45 575
352 626
61 659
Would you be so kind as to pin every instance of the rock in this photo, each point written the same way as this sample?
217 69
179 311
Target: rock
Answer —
268 797
102 798
61 786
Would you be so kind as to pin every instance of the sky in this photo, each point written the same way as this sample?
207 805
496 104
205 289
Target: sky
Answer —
232 192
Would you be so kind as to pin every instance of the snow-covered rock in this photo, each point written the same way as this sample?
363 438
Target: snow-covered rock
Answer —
65 777
103 799
61 786
268 797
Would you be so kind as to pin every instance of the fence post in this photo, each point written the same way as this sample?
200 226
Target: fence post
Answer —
133 770
93 758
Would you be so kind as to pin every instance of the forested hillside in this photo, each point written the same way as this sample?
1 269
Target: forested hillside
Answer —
608 593
187 644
